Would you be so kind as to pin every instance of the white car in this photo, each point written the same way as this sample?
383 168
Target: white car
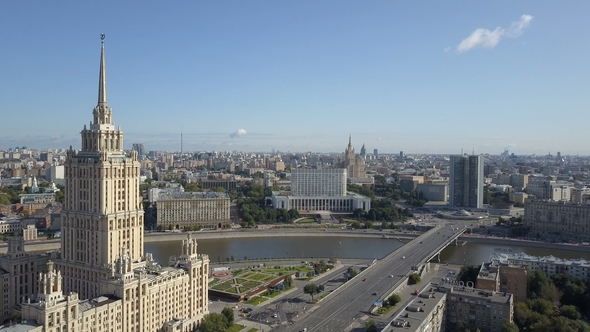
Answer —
403 257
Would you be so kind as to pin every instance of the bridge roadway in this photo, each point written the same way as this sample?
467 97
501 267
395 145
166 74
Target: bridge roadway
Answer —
354 299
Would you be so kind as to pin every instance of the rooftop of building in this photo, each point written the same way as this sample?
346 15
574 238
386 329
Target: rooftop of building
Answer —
24 326
505 258
410 319
420 308
97 302
474 293
192 195
349 194
485 273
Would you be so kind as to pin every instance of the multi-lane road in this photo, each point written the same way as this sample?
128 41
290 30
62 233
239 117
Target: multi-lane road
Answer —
355 299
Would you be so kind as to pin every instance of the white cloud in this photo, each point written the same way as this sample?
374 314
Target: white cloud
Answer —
239 132
484 38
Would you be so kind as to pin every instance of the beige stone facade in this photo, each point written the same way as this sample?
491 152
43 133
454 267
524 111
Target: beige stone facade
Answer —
557 220
354 165
501 277
18 271
109 284
189 209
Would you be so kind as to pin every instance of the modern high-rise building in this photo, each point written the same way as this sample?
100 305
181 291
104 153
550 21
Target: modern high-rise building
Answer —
103 268
140 148
466 181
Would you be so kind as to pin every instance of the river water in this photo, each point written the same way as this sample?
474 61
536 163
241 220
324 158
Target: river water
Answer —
336 247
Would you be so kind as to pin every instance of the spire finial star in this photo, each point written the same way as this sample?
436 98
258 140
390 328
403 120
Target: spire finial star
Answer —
102 36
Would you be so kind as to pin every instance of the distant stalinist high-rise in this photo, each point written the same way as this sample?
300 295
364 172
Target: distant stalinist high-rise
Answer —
111 285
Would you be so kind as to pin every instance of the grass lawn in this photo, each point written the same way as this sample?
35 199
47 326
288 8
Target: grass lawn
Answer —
258 276
300 268
306 220
349 220
225 287
384 310
235 328
251 284
256 300
273 294
240 280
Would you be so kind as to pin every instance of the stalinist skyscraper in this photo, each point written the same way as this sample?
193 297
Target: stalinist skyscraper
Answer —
102 216
111 285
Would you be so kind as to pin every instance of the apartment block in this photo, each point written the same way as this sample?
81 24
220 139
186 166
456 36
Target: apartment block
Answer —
558 220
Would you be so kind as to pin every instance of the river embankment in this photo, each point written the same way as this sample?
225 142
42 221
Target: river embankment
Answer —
54 244
525 243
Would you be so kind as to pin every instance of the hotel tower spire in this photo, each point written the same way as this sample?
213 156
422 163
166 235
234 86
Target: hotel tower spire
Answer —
102 78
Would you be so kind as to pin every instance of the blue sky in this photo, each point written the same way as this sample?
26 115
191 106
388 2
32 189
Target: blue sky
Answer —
422 77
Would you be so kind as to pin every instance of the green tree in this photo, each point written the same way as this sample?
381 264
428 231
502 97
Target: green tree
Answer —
509 327
468 273
192 187
414 279
4 199
229 315
288 282
393 300
538 282
541 306
370 326
355 224
352 272
570 312
311 289
214 322
293 214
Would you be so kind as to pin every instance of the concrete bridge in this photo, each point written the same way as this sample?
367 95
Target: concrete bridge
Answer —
355 299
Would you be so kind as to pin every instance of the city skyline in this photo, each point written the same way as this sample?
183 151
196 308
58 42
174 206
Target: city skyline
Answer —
302 76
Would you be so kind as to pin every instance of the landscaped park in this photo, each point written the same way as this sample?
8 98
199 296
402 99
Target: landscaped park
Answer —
252 282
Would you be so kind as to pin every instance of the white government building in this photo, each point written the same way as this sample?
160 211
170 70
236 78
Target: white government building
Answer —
319 190
103 280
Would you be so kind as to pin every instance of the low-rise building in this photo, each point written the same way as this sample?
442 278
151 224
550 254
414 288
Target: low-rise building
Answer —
579 268
433 192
